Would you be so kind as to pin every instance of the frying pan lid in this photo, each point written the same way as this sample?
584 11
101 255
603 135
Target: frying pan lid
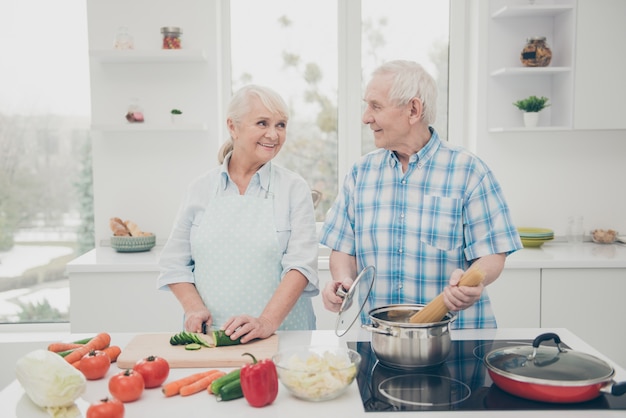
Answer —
548 365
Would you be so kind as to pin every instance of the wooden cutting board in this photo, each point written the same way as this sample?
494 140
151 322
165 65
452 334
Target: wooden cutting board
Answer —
144 345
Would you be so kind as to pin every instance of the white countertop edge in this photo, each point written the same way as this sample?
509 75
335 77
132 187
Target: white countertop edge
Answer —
550 255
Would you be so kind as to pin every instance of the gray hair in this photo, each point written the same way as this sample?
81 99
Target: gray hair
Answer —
240 106
411 80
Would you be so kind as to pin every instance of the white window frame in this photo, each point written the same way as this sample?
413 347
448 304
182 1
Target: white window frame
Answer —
349 87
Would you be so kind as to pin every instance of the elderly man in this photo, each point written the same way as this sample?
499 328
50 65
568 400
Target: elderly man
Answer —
418 209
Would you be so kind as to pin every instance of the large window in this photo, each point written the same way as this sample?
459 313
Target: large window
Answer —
46 216
319 55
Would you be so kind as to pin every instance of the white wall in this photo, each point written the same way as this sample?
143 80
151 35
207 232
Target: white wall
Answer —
548 176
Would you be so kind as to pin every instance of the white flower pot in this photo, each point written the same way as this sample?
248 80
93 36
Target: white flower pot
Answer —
531 119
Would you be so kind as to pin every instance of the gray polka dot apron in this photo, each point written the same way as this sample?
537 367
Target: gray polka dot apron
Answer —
238 260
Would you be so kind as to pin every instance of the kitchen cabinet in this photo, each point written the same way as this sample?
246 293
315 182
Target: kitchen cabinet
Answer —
600 87
122 302
510 23
589 302
516 298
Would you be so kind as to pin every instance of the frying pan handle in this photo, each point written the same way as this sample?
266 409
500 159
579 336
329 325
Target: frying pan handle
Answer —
618 389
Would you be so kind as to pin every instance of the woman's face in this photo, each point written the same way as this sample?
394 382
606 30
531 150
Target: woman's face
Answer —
260 134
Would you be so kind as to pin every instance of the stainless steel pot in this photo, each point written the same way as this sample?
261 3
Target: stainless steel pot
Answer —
401 344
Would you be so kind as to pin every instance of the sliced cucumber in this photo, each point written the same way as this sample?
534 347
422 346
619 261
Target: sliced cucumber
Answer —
184 338
193 346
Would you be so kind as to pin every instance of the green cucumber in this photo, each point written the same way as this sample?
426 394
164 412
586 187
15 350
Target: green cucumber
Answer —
230 391
224 380
65 353
221 339
184 338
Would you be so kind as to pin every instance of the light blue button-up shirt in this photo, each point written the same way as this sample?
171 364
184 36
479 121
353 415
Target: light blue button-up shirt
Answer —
293 216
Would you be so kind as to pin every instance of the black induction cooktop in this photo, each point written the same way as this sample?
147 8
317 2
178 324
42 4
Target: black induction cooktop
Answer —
460 383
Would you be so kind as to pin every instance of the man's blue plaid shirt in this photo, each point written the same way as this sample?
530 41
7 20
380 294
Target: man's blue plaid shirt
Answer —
419 226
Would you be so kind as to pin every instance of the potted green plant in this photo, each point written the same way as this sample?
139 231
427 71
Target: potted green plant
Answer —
176 115
531 106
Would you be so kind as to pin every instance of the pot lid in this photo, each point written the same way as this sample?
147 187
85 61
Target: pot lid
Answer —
548 365
349 312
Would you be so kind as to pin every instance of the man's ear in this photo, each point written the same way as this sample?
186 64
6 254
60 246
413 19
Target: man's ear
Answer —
416 110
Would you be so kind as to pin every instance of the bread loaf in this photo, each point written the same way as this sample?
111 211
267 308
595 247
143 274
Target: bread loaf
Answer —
118 227
134 229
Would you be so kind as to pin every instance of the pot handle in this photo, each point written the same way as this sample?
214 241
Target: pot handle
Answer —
377 330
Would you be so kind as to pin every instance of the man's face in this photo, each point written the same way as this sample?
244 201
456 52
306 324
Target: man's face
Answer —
390 123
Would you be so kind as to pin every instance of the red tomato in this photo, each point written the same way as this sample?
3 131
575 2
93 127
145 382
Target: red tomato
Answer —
95 364
127 386
106 408
153 369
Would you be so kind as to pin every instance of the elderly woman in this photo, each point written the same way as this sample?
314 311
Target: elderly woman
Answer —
242 254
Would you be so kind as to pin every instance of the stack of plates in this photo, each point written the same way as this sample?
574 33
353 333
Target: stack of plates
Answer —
535 237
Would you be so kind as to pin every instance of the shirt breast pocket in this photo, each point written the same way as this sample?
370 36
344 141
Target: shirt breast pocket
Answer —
441 224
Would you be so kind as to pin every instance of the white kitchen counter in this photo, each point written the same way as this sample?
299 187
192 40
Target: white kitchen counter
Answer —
529 294
550 255
14 403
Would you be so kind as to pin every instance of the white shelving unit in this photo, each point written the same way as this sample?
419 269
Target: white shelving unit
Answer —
141 170
149 128
510 24
124 70
150 56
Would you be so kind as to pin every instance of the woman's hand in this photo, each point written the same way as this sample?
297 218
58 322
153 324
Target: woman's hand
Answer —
457 297
248 328
194 320
332 302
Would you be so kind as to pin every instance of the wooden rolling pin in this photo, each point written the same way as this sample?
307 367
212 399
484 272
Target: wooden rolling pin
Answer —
436 309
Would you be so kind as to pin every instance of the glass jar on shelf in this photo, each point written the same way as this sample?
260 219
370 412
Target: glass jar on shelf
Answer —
134 114
123 39
536 53
171 37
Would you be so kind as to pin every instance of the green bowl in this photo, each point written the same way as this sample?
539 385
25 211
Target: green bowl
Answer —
534 243
133 244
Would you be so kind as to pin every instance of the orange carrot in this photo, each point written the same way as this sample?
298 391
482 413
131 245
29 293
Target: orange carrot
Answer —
58 347
173 388
99 342
200 385
76 364
113 351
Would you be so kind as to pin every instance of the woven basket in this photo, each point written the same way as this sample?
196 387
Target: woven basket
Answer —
133 244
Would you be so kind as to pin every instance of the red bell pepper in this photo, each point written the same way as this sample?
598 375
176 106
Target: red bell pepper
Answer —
259 381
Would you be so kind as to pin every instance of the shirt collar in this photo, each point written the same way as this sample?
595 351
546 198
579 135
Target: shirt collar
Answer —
431 146
422 155
262 176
